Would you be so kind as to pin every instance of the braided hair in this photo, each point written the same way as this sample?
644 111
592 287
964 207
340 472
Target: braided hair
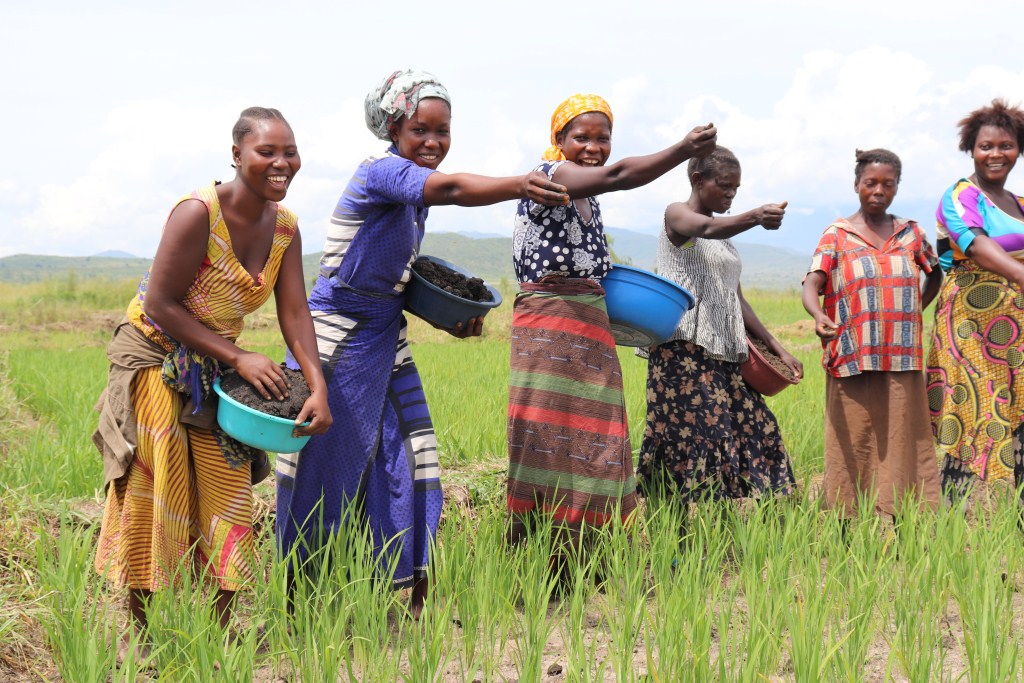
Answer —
249 117
876 156
711 165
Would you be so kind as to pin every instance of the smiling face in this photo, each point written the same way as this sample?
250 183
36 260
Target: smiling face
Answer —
587 139
717 193
424 138
876 188
995 153
267 159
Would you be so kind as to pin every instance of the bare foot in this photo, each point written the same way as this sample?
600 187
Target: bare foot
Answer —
419 595
143 654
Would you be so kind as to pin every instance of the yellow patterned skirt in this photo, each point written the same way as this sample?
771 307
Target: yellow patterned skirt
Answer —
179 505
976 369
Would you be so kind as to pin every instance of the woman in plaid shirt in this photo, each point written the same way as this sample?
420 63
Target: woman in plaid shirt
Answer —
878 439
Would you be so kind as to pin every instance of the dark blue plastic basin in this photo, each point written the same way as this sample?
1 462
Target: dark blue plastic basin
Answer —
644 308
433 304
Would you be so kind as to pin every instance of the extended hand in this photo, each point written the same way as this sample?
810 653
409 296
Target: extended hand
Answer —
772 214
539 188
266 376
701 141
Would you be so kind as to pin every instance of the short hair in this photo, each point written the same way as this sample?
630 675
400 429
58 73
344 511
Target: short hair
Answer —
248 118
711 165
999 114
876 156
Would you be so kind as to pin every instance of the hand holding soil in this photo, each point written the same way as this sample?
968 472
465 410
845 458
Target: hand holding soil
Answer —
289 408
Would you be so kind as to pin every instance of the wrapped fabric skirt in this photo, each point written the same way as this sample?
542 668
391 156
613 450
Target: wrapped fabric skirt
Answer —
878 438
569 451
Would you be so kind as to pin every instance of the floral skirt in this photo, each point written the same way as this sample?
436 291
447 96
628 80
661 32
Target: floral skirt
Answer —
708 434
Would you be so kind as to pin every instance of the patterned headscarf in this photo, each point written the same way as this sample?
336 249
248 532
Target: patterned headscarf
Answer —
566 112
398 95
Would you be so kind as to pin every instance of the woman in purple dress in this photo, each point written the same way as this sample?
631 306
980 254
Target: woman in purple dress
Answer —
380 457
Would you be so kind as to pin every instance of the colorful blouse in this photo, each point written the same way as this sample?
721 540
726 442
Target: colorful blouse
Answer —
963 207
223 292
379 220
556 239
874 296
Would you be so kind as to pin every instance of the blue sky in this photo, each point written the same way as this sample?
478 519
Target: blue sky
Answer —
114 109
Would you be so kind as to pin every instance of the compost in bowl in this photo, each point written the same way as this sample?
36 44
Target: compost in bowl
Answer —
643 308
760 372
259 430
427 300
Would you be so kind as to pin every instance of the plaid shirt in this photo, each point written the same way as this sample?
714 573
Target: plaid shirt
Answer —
874 296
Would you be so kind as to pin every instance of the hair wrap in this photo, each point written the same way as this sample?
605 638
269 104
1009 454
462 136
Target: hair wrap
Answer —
568 110
398 95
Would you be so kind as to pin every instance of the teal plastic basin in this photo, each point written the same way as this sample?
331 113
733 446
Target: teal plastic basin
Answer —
267 432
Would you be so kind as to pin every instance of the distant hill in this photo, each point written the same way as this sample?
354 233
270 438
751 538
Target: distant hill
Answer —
764 266
33 268
114 253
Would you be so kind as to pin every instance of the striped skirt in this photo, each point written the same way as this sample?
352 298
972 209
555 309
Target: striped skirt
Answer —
179 502
569 451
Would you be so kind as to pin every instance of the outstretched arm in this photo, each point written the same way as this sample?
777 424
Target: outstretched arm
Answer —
631 172
297 328
182 249
686 222
466 189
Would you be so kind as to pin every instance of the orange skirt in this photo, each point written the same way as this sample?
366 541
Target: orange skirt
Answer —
179 505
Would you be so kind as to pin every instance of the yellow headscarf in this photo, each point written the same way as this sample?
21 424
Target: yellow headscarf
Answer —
568 110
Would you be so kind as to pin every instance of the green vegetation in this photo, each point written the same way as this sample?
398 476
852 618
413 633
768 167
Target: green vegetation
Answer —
775 590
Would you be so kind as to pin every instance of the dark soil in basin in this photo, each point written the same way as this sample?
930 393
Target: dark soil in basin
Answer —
243 392
471 288
773 360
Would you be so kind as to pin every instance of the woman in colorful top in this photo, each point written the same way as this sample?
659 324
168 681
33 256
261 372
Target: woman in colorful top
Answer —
868 268
381 453
569 451
177 487
975 385
708 434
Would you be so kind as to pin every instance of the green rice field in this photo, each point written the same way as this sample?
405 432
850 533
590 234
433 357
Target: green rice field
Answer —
772 590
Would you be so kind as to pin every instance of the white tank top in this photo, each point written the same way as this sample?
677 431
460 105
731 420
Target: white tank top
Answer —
710 270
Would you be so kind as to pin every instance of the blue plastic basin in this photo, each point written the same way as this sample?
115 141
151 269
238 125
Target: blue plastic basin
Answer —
433 304
267 432
643 308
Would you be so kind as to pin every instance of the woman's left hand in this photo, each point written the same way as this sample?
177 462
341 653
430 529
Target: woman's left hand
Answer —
538 187
474 327
793 363
316 410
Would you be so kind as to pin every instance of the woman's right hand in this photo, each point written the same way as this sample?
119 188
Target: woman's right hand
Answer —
536 186
266 376
824 327
701 141
770 216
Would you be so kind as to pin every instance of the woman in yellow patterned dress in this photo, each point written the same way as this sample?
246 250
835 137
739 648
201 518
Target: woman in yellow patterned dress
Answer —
179 490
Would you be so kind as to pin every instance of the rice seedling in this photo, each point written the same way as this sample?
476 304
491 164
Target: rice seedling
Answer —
714 592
